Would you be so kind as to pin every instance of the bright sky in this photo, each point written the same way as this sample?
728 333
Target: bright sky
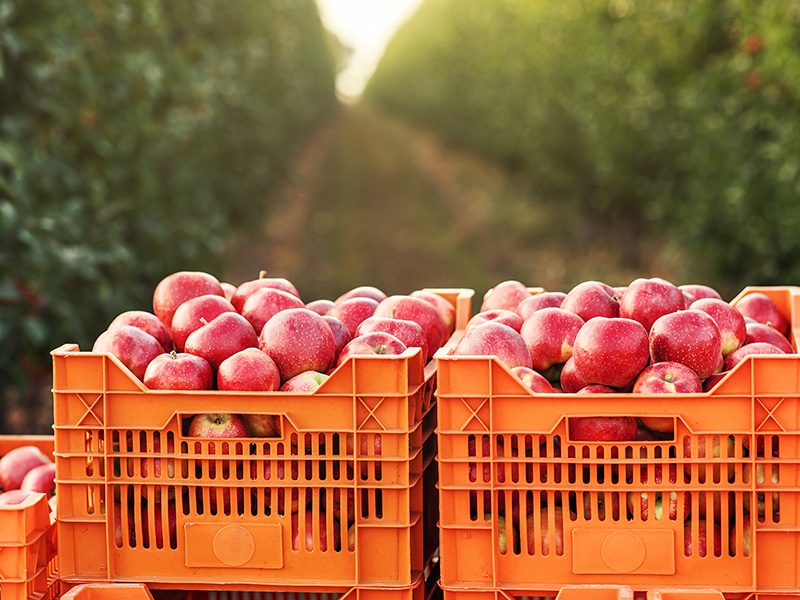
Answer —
366 26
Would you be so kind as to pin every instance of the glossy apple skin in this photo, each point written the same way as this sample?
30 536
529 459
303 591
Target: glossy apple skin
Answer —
147 322
244 290
535 381
310 543
758 332
602 429
218 425
596 388
699 291
40 479
298 340
735 357
132 346
690 337
408 332
249 370
229 289
419 311
14 497
500 315
353 311
592 299
321 306
611 352
190 315
221 338
179 371
668 378
506 294
305 382
362 291
762 309
539 301
730 321
702 542
550 335
264 303
570 381
177 288
646 300
376 342
341 335
16 463
447 310
495 339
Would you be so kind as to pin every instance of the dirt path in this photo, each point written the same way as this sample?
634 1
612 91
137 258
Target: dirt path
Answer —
373 200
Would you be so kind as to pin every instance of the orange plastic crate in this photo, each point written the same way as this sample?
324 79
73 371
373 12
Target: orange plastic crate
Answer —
507 468
27 538
125 464
133 591
614 592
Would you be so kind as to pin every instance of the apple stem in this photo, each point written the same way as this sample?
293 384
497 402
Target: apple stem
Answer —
262 274
174 354
203 321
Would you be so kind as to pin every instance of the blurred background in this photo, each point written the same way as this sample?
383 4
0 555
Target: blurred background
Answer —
401 144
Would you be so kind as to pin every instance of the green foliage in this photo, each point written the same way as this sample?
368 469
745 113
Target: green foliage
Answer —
680 114
136 136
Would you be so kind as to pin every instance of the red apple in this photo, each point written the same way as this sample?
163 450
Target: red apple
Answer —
763 309
592 299
249 370
265 303
408 332
419 311
507 295
132 346
657 502
229 290
699 291
147 322
646 300
596 388
314 540
550 335
735 357
495 339
538 301
548 545
158 521
729 320
646 435
191 315
661 424
341 335
218 425
362 291
248 287
377 342
298 340
321 306
14 497
447 310
602 429
177 288
668 378
690 337
16 463
570 381
223 336
182 371
702 543
611 352
535 381
499 315
758 332
40 479
710 382
305 382
353 311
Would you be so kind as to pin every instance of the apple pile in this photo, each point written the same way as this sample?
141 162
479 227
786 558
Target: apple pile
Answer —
648 337
24 471
261 337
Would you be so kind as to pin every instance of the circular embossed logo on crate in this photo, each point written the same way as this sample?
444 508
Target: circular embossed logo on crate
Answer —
234 545
623 551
